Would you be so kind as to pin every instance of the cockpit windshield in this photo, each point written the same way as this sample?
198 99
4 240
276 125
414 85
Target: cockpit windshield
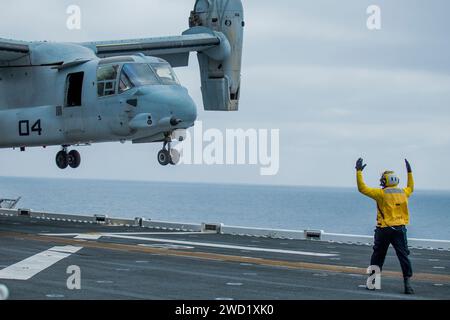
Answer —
142 74
165 73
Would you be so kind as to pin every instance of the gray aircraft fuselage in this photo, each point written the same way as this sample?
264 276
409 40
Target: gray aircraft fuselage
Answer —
38 96
70 94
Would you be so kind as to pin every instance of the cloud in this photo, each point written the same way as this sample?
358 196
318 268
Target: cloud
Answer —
341 77
294 25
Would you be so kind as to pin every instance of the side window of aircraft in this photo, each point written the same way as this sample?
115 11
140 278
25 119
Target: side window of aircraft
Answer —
137 74
74 89
124 83
165 73
107 80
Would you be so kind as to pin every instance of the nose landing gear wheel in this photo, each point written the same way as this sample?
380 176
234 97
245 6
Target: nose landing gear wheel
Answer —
62 160
168 155
164 157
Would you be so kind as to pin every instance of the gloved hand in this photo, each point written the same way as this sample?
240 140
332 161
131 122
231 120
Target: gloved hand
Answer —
359 165
408 166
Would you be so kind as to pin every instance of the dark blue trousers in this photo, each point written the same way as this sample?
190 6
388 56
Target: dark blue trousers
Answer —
397 237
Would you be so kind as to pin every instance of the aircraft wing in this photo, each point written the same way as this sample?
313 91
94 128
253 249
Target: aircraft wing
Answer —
216 30
12 50
174 49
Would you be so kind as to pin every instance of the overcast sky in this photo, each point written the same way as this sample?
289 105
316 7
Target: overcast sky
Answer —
312 69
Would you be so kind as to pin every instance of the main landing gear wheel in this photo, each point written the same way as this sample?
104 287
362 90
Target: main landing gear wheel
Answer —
61 160
74 159
65 159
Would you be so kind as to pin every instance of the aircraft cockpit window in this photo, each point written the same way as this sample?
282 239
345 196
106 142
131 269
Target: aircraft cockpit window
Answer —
106 80
165 73
138 74
124 83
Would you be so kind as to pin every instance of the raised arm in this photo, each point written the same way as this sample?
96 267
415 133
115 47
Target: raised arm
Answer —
410 188
373 193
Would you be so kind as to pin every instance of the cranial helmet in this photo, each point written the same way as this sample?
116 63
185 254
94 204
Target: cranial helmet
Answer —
389 179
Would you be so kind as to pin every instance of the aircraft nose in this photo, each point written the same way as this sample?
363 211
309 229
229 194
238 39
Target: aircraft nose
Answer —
172 106
183 109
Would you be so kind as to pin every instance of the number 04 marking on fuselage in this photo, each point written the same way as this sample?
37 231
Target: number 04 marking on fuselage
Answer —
26 130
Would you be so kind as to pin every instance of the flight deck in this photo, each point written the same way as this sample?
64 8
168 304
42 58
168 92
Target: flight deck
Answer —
135 262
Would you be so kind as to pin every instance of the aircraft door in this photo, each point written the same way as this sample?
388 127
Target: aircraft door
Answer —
73 108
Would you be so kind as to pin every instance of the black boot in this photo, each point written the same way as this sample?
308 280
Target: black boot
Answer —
408 288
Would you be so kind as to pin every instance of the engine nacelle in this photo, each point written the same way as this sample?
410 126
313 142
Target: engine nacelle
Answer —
220 67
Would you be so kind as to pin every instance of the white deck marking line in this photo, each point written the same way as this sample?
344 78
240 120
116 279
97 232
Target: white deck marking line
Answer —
130 236
88 236
162 233
96 236
221 246
66 249
166 246
28 268
68 234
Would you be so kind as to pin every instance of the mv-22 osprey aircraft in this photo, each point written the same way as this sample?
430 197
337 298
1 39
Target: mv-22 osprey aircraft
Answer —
72 94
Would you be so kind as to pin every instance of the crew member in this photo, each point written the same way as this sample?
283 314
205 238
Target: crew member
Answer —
392 218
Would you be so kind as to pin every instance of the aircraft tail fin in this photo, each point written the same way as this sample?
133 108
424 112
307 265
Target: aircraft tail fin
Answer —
220 66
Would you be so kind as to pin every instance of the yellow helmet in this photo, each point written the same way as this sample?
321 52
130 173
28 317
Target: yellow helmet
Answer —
389 179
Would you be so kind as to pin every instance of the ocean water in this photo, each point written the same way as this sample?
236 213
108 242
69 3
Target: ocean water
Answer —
340 210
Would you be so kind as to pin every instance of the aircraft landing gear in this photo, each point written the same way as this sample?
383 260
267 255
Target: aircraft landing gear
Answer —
61 160
74 159
168 155
65 159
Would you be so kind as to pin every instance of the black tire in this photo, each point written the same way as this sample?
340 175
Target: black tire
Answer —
62 160
74 159
164 157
